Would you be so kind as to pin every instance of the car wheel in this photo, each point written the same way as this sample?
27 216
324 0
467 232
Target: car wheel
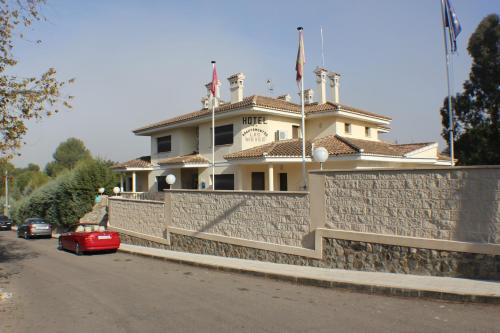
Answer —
78 251
59 245
26 236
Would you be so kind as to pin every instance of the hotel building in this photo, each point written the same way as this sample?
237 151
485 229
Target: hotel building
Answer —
258 142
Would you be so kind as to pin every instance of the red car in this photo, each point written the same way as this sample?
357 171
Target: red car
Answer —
87 237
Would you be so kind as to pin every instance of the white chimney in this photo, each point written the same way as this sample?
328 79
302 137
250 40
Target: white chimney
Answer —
334 86
236 86
321 74
286 98
205 102
308 96
209 94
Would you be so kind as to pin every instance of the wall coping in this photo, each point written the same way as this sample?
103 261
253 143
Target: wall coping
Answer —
432 168
135 200
238 192
424 243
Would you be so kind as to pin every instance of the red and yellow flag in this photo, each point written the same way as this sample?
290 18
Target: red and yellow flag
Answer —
213 87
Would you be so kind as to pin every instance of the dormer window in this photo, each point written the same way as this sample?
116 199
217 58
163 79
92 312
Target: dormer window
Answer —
347 128
368 132
164 144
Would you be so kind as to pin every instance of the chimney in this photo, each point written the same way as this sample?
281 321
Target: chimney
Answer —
209 94
236 86
286 98
308 96
205 102
334 86
321 74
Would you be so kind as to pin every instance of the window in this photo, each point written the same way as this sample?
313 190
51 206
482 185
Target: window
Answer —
368 131
162 183
164 144
224 135
295 131
347 128
224 182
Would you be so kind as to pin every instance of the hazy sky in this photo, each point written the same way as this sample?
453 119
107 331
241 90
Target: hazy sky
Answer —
137 62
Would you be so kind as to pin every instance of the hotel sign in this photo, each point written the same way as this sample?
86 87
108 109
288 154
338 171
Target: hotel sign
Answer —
254 134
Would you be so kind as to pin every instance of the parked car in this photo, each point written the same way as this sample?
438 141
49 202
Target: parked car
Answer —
34 227
5 223
89 237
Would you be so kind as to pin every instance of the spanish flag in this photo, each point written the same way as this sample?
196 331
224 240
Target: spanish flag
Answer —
301 57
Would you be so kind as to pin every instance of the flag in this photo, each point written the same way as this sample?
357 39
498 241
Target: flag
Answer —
452 23
301 57
213 87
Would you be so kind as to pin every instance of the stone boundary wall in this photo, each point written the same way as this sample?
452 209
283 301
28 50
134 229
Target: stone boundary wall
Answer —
347 254
271 217
142 216
460 204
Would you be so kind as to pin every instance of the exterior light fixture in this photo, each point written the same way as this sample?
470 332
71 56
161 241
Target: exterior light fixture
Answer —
116 190
320 154
101 190
170 179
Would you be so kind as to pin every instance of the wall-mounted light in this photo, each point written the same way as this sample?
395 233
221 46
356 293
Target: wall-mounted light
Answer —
320 154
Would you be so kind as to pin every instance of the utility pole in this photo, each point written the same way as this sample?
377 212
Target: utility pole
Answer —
6 207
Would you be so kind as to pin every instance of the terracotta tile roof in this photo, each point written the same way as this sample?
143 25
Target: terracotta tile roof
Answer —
190 158
262 101
335 144
141 162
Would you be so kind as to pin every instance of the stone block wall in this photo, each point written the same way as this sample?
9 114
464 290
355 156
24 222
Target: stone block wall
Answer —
145 217
461 203
272 217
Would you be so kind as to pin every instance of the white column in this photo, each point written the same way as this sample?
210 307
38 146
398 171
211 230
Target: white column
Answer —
270 176
121 182
133 182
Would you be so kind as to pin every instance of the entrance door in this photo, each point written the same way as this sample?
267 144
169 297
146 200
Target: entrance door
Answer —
189 178
258 181
283 182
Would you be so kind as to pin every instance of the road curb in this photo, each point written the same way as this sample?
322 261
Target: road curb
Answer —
349 286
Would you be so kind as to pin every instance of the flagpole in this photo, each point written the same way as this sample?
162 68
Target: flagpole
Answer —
303 129
213 132
450 111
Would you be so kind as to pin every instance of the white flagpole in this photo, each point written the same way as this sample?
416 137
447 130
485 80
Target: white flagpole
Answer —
322 48
302 127
450 111
213 133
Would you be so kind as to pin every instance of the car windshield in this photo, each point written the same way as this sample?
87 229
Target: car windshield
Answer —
37 221
88 228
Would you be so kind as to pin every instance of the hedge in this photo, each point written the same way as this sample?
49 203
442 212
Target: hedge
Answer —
67 198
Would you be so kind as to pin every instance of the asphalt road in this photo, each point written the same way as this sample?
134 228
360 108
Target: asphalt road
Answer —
56 291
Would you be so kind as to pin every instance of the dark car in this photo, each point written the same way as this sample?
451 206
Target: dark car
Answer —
5 223
34 227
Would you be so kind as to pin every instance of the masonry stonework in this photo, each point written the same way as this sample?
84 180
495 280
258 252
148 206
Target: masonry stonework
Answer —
145 217
278 218
461 204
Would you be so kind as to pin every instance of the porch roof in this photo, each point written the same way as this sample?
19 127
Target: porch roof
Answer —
143 162
193 158
335 144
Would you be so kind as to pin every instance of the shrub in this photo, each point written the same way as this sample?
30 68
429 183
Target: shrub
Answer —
67 198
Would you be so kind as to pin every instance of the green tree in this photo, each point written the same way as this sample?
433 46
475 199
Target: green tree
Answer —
477 108
22 98
67 155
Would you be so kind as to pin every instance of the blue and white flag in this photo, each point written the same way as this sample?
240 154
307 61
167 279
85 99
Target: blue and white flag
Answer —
452 23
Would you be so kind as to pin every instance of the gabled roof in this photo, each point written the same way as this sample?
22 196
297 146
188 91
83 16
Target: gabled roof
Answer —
335 144
260 101
141 162
194 158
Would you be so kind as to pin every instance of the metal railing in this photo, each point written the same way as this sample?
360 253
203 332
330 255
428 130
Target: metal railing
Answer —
156 196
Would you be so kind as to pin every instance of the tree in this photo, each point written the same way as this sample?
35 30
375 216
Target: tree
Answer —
67 155
477 108
23 98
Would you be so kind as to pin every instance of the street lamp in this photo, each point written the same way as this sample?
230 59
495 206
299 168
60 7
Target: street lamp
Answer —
170 180
116 190
320 154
